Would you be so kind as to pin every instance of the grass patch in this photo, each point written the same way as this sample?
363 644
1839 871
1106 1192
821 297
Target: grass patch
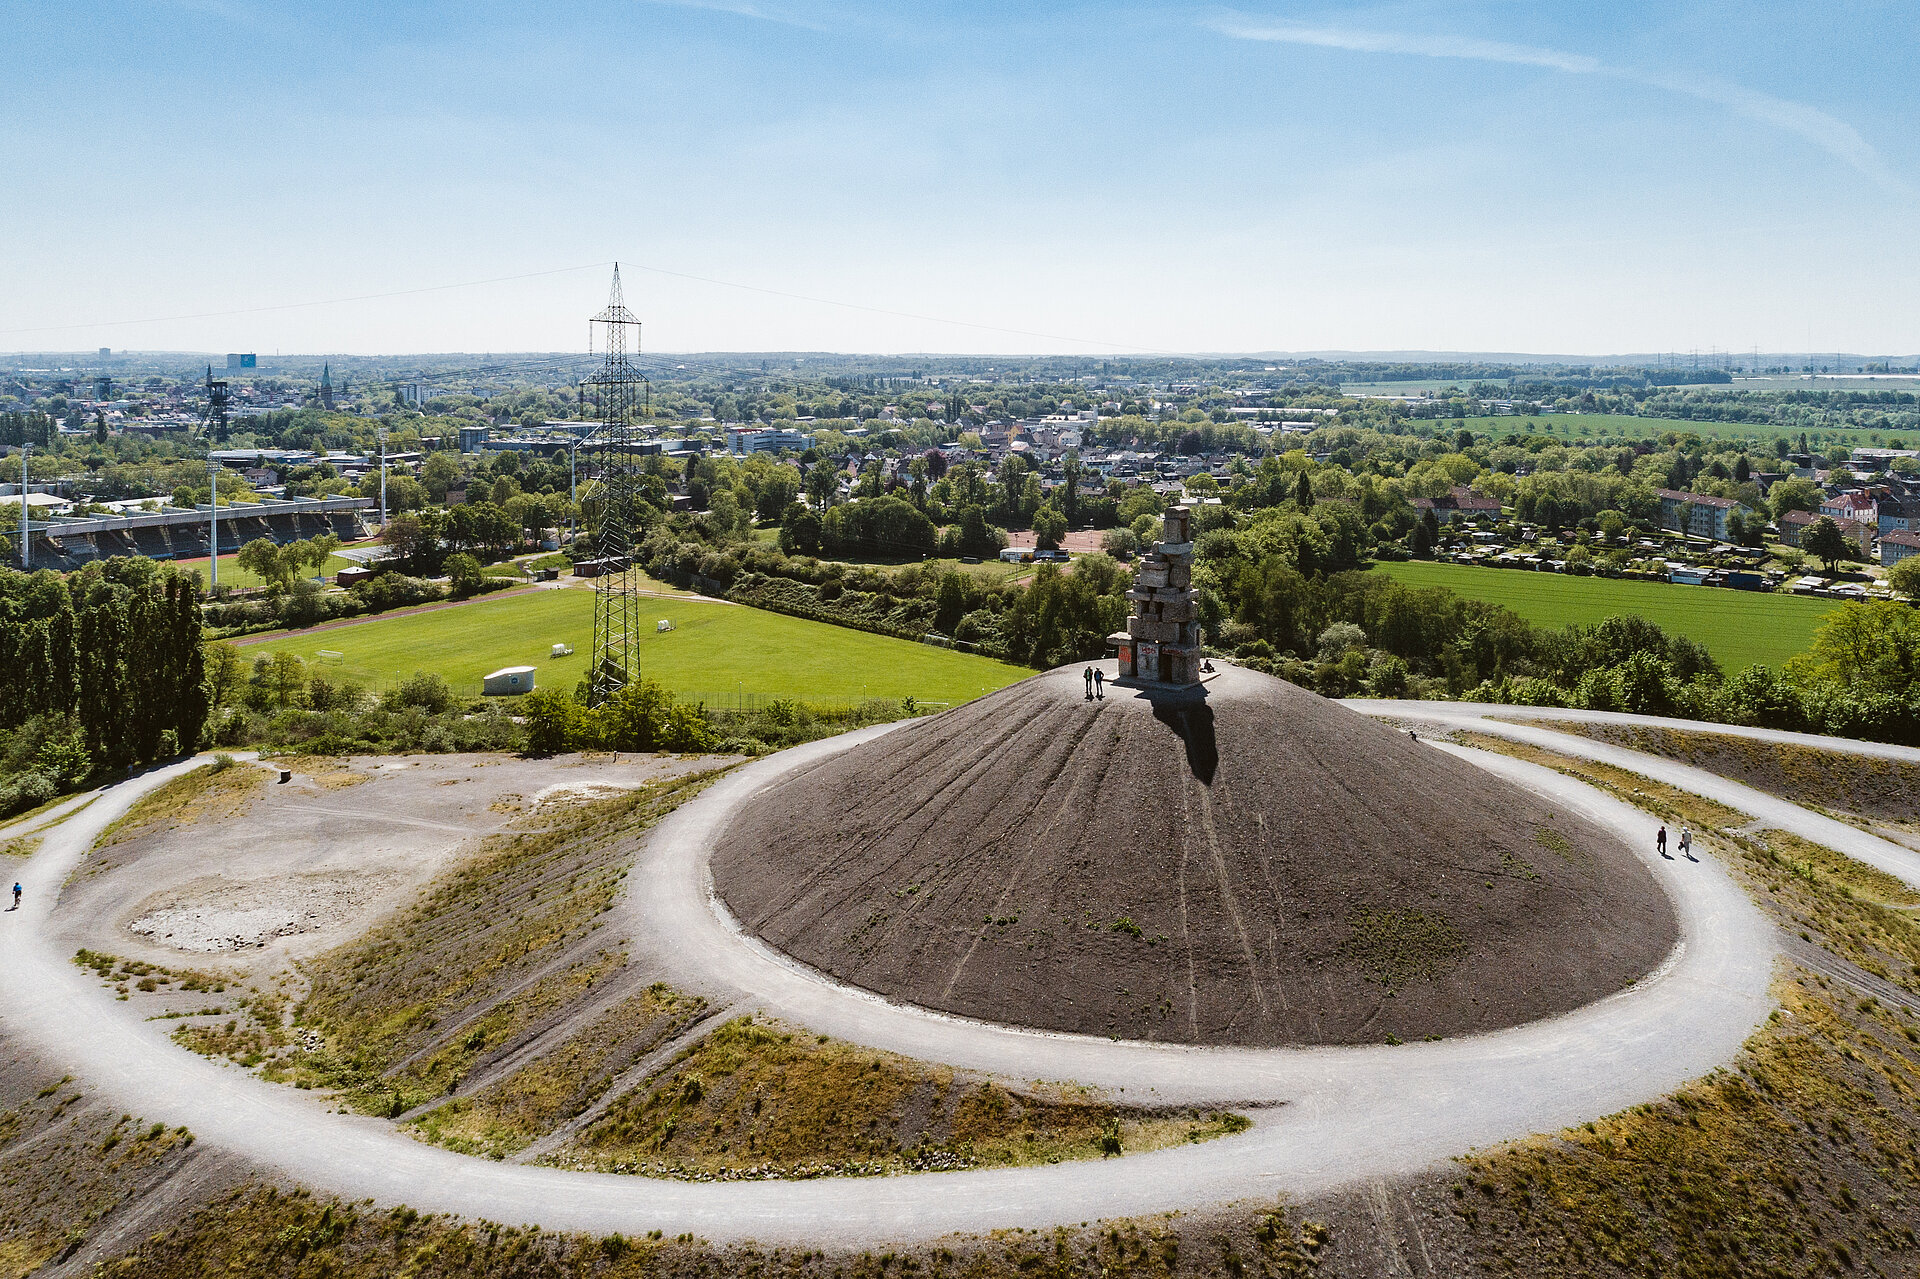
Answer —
711 650
754 1100
212 792
1395 947
1740 628
21 846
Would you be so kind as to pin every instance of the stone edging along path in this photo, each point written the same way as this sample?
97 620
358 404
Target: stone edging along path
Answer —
1324 1116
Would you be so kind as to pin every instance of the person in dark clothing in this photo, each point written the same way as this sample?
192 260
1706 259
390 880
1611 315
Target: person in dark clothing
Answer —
1099 683
16 896
1660 842
1086 677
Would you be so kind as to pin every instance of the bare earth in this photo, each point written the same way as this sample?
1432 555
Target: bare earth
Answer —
1255 866
311 863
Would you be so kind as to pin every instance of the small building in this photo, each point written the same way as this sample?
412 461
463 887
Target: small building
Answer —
348 576
508 681
742 440
1895 547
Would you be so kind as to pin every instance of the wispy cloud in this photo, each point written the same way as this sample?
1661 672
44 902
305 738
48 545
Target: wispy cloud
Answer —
1832 135
743 10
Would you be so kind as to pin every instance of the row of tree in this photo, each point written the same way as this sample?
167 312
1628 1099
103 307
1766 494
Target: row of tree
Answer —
112 652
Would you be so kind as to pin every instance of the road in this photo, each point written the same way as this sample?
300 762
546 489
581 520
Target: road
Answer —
1324 1116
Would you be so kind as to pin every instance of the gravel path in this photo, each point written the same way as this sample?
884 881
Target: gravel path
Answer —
1768 810
1337 1115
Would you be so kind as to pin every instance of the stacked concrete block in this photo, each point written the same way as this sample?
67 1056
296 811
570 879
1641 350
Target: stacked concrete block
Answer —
1162 641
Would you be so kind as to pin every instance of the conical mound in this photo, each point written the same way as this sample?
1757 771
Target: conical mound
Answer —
1244 863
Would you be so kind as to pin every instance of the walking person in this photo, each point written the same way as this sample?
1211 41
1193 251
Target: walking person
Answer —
1099 683
1660 841
1086 677
16 896
1686 843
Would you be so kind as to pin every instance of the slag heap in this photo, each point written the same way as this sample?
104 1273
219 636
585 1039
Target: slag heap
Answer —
1162 639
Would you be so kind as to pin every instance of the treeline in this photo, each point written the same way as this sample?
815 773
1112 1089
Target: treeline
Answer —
36 429
1362 634
104 671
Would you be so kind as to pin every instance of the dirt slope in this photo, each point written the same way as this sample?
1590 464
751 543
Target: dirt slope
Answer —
1255 865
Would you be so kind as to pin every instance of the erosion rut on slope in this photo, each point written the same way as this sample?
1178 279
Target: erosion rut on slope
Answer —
1254 865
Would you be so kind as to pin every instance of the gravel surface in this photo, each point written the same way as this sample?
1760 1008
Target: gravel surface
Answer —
1247 864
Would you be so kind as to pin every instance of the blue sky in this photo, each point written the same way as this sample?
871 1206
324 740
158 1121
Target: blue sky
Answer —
1090 178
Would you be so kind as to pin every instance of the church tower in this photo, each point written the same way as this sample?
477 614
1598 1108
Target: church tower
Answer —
326 386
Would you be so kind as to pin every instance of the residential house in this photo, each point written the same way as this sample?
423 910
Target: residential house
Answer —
1895 547
1899 515
1462 502
1849 506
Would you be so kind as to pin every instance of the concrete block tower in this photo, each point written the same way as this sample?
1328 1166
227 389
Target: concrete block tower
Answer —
1162 641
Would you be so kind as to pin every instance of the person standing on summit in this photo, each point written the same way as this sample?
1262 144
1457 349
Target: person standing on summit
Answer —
1099 683
1086 677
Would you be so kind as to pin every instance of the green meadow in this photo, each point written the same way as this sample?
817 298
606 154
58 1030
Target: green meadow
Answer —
1740 628
712 650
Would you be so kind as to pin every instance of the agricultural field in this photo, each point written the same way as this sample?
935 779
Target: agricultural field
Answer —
1740 628
713 650
1587 426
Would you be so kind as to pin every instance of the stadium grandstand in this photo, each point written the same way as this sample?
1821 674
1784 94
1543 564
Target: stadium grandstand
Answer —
64 543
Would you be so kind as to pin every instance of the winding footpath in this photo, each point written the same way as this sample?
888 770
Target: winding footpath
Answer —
1324 1117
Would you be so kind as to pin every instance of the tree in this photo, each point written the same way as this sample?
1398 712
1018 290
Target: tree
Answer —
283 675
950 604
1905 577
1070 471
99 427
1303 493
554 721
1824 539
1049 526
272 564
463 574
413 544
1793 495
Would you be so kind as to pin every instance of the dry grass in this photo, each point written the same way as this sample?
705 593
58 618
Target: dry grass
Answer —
1876 788
489 951
754 1099
510 1115
1395 947
1799 1159
211 792
1856 911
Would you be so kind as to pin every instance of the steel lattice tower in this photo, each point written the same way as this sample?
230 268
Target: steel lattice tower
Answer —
619 391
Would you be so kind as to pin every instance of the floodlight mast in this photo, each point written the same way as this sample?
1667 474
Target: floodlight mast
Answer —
216 430
26 528
620 391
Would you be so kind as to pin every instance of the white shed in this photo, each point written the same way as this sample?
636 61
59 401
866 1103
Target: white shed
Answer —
508 681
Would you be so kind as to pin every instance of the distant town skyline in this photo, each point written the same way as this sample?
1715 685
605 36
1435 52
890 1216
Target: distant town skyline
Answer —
993 178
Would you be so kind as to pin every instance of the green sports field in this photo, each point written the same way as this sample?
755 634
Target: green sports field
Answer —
1740 628
713 650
